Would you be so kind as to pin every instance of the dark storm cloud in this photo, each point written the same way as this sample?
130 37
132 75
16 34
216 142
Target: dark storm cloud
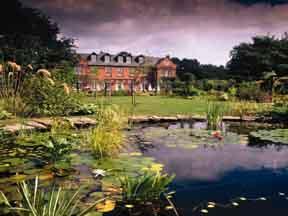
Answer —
270 2
204 29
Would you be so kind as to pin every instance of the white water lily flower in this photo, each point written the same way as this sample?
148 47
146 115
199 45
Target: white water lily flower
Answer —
168 207
98 172
262 198
281 194
205 211
242 198
210 206
235 204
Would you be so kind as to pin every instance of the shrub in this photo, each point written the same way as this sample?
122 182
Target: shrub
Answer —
44 96
250 91
246 108
4 115
120 93
85 109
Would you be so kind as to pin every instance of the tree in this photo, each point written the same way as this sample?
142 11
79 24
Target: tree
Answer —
27 36
266 53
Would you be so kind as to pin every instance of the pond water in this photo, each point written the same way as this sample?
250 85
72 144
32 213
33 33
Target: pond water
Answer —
241 179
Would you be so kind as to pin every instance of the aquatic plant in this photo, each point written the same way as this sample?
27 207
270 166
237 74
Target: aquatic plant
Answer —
214 114
145 187
39 202
276 136
107 138
111 117
105 143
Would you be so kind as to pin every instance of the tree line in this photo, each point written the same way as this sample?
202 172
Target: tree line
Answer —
28 36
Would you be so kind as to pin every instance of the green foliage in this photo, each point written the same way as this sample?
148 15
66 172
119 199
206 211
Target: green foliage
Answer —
146 187
120 93
43 96
249 61
105 143
232 91
185 89
39 202
85 109
245 108
214 114
5 115
107 138
30 37
280 111
57 144
250 91
277 136
65 73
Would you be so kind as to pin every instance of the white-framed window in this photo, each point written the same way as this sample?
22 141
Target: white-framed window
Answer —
93 58
128 60
107 59
132 72
120 59
120 72
141 59
108 71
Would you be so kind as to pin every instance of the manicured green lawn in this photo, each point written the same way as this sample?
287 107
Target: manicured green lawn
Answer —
157 105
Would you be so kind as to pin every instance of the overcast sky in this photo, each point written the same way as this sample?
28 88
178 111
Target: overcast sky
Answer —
202 29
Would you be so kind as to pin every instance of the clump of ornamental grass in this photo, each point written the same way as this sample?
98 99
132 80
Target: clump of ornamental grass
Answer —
39 202
107 138
12 78
215 112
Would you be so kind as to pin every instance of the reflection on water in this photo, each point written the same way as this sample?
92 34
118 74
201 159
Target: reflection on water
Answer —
222 173
211 163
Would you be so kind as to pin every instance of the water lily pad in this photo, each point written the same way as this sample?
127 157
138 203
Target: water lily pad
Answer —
277 136
189 138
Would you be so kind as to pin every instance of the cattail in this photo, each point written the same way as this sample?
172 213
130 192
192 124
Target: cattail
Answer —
44 73
51 81
13 65
1 68
17 67
66 88
30 67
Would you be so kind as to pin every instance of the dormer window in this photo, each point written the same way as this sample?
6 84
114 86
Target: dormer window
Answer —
141 60
106 58
93 58
120 59
128 60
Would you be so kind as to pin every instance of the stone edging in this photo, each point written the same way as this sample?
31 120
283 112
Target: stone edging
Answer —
44 124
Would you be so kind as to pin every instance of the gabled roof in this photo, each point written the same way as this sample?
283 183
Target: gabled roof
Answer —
148 60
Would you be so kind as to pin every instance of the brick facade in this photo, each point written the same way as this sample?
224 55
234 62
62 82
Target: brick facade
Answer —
98 72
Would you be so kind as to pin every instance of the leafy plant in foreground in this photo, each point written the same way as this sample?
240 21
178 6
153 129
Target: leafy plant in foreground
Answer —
146 187
38 202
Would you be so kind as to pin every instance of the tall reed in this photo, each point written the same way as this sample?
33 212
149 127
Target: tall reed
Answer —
107 138
215 112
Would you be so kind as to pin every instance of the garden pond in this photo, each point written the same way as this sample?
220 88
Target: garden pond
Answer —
216 173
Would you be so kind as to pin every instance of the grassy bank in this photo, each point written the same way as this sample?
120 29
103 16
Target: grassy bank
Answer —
156 105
